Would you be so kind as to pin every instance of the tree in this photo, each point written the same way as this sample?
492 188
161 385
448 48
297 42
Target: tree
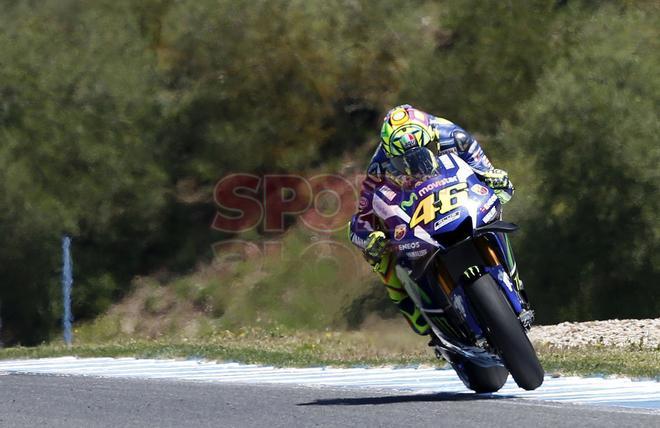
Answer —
472 61
588 162
77 116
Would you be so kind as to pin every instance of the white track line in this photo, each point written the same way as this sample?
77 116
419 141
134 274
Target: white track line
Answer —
613 392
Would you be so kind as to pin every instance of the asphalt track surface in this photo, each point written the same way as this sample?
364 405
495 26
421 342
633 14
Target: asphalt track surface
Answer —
611 391
76 401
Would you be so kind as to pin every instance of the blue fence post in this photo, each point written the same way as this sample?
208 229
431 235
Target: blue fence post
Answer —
67 282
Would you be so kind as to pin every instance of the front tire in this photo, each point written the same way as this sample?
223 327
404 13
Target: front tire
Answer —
504 331
477 378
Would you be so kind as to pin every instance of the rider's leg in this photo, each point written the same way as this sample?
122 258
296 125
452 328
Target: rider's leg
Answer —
397 293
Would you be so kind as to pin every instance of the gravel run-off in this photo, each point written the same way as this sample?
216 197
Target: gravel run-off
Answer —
643 333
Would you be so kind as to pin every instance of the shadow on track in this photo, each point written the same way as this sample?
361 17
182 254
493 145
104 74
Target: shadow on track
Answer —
391 399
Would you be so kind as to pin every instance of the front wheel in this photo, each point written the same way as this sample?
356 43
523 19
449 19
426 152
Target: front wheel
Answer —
504 331
479 379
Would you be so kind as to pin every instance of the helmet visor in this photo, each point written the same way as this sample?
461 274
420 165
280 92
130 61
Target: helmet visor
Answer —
418 162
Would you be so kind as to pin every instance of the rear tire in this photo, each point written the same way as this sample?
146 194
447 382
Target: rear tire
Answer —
477 378
504 331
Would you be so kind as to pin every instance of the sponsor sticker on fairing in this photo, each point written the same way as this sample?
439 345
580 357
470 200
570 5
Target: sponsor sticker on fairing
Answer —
411 200
417 254
479 189
400 231
409 246
446 220
436 184
491 215
502 276
388 193
489 203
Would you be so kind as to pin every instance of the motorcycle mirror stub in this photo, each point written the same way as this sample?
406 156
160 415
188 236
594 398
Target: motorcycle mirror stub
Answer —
496 226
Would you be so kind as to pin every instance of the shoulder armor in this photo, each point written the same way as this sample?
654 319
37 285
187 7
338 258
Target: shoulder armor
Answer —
462 140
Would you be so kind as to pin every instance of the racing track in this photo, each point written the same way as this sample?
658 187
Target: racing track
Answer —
127 392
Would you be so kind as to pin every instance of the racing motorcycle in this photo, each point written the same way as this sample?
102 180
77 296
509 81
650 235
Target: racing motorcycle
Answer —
451 247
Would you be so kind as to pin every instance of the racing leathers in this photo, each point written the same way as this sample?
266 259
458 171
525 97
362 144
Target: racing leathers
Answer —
365 227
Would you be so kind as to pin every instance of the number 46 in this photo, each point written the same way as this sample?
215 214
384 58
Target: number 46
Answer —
440 202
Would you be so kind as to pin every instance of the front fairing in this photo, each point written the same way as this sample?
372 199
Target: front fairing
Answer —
437 233
454 201
436 229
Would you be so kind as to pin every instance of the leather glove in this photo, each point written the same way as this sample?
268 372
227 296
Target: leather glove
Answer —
498 180
376 248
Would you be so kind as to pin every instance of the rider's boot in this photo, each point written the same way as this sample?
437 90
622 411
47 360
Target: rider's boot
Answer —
413 315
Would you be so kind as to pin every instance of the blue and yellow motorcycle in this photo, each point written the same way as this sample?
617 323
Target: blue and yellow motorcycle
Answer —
455 261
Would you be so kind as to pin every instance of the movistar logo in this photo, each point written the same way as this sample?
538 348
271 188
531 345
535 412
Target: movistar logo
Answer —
410 201
434 185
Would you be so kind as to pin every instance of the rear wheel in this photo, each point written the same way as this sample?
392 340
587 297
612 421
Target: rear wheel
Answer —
504 332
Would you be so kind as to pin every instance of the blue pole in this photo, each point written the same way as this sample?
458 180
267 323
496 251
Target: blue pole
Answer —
67 282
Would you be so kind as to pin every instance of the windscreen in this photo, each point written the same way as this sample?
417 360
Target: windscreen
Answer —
418 162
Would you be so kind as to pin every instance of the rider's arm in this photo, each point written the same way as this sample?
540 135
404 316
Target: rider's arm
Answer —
364 221
453 137
471 152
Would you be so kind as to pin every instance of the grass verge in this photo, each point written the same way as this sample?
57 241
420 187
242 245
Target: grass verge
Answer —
344 349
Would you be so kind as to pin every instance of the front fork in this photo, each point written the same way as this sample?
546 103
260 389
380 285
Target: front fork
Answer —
505 258
510 263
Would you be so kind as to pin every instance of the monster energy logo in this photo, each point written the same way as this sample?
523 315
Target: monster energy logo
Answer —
410 201
471 272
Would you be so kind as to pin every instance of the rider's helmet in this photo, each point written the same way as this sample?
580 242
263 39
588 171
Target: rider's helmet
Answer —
405 136
404 127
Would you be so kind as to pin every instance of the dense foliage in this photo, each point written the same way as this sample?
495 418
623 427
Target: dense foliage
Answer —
117 117
589 139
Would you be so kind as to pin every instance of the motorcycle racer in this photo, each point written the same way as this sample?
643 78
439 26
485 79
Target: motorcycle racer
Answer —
410 142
